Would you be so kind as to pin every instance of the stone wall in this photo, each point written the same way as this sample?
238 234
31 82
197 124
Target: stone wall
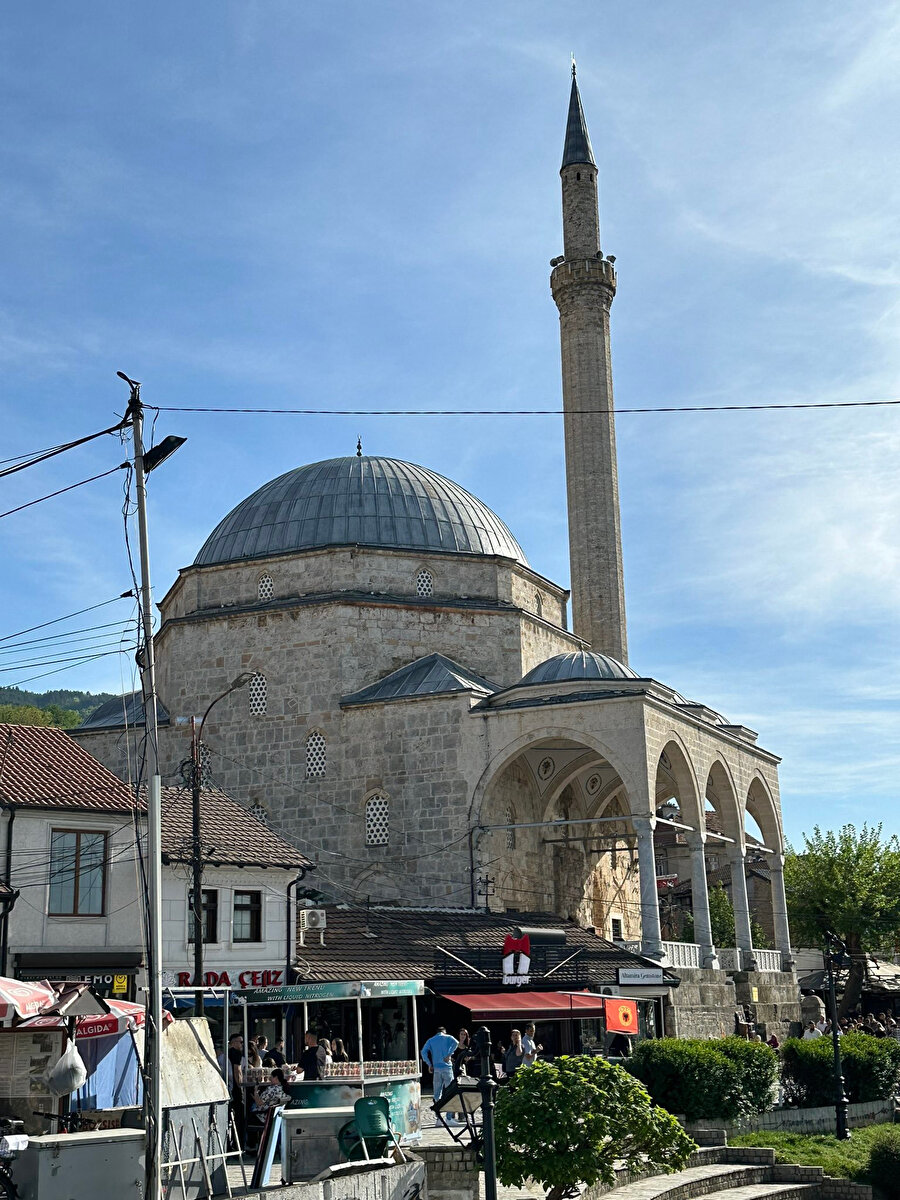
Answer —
802 1120
772 1000
452 1172
702 1007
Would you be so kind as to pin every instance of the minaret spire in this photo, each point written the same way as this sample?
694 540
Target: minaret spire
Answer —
583 284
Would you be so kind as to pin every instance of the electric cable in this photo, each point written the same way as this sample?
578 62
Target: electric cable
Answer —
42 455
530 412
78 612
9 512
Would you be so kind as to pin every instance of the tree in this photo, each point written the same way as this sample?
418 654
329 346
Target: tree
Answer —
566 1123
29 714
846 883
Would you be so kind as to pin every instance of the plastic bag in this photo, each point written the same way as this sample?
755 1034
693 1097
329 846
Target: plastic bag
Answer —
69 1073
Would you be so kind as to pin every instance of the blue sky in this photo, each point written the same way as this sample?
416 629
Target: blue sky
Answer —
353 205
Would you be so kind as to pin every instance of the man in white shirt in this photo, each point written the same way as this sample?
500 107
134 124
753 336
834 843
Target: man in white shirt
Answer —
811 1032
529 1045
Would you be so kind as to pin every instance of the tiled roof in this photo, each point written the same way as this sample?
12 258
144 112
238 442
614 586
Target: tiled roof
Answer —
45 768
121 712
392 942
434 675
229 834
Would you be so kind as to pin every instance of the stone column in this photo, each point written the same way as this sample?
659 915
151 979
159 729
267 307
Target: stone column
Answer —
700 901
651 938
741 906
779 911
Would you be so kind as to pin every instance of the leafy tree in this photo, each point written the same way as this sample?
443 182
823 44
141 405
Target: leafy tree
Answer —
566 1123
29 714
846 882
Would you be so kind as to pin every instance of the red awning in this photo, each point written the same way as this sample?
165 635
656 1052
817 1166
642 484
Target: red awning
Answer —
549 1005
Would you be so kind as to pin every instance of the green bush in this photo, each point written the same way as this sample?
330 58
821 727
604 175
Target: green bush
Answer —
871 1069
691 1078
569 1123
883 1171
758 1066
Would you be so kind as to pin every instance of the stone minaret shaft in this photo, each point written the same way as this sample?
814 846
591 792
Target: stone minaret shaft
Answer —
583 285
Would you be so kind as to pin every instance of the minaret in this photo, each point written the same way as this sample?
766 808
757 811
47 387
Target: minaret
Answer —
583 285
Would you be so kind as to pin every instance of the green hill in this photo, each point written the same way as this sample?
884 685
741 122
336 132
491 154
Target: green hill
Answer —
62 707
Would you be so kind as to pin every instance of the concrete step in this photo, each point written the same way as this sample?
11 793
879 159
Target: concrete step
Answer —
767 1191
703 1180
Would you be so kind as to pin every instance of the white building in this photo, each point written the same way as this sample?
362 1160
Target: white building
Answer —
68 853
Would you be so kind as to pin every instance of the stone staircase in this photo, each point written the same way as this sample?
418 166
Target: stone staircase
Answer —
736 1173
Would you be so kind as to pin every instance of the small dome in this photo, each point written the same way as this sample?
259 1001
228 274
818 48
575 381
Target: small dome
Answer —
580 664
360 501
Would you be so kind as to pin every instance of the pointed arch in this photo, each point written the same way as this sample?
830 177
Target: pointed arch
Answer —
676 778
761 806
721 792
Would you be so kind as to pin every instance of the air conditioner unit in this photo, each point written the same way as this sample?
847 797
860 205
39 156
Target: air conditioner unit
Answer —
311 919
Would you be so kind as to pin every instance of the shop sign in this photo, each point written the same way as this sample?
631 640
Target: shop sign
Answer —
516 960
639 976
665 883
365 989
269 977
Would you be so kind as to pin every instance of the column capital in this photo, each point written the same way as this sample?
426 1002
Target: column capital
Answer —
643 823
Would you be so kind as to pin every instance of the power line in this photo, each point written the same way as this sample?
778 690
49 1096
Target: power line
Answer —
531 412
50 495
59 670
70 638
42 455
78 612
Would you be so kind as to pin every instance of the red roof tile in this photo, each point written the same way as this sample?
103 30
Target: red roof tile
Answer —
229 834
45 768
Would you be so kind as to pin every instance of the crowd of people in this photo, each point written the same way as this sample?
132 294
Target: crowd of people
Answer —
448 1057
875 1024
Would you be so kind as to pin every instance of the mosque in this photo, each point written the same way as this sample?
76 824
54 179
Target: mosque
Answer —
421 718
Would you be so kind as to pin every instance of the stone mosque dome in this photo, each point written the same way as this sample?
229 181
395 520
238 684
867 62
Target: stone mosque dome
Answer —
359 500
579 664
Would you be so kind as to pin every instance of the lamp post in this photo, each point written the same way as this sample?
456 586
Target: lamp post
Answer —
834 948
143 464
196 845
488 1086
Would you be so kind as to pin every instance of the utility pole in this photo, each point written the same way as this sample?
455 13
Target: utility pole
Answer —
834 948
153 1023
487 1085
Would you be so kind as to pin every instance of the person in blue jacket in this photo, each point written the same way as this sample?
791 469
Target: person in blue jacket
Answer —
437 1055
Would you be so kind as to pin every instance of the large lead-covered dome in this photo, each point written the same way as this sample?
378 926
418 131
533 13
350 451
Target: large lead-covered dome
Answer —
359 501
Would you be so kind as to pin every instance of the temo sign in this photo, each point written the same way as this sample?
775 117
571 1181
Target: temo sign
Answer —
271 977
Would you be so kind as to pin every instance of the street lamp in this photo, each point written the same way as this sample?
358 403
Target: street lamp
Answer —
834 953
196 848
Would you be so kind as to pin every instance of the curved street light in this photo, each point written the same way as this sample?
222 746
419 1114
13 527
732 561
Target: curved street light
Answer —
196 848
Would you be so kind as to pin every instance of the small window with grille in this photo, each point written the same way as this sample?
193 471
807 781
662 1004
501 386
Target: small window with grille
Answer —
315 756
377 812
265 587
509 818
259 694
424 583
259 813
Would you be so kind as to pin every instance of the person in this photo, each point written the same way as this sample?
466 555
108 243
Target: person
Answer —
277 1052
811 1032
515 1054
275 1092
262 1047
236 1085
530 1045
773 1042
822 1024
323 1055
309 1059
437 1055
338 1053
253 1058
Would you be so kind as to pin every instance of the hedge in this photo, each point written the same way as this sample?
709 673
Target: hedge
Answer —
723 1079
871 1069
883 1171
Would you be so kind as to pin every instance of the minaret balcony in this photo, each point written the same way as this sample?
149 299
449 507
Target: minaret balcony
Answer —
583 270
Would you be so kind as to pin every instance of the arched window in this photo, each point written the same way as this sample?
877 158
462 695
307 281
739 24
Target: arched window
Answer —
315 756
259 694
424 583
509 817
538 604
377 813
265 587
